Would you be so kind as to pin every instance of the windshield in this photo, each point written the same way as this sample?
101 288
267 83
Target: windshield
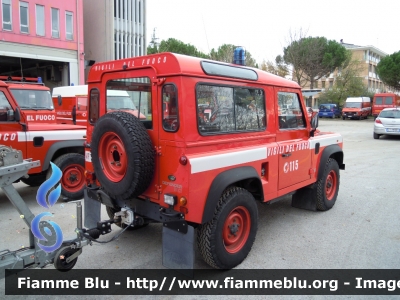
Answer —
393 114
352 104
33 99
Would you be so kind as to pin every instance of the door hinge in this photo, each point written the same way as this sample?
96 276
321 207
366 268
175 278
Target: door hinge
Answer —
158 150
311 171
158 189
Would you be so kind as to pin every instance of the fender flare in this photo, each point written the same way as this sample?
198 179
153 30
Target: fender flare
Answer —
57 146
333 151
221 182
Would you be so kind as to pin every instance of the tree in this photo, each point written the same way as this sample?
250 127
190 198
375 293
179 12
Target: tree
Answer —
225 52
388 70
279 68
176 46
314 57
348 83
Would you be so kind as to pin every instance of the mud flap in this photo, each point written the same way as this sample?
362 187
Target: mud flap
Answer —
303 199
178 250
92 211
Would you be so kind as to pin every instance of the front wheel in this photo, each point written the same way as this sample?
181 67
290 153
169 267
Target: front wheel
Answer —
226 240
72 166
328 186
60 260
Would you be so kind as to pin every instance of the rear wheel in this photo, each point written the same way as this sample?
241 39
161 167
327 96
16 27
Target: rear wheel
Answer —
376 136
226 240
327 186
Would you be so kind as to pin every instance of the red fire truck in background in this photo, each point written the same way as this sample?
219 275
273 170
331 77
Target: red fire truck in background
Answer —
384 100
28 123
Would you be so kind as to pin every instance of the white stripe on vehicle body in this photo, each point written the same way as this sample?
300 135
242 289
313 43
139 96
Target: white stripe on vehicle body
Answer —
212 162
55 135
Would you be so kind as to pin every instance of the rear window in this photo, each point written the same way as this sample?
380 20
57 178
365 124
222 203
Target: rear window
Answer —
378 100
391 114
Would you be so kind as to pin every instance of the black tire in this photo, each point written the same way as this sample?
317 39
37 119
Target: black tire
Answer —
60 259
343 118
213 237
72 165
111 211
122 155
327 187
34 179
376 136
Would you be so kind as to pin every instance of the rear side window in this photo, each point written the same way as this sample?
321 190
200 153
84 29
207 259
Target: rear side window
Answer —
227 109
388 100
170 116
94 105
378 100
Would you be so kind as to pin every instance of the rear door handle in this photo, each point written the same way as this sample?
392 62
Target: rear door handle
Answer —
286 154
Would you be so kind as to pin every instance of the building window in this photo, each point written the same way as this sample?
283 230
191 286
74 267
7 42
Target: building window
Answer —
55 23
24 17
69 29
330 84
6 8
40 29
323 84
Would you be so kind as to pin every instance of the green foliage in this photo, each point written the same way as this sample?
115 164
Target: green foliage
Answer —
279 68
388 70
225 52
176 46
314 57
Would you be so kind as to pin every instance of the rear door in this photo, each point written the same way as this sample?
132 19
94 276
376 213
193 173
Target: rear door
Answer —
292 137
140 87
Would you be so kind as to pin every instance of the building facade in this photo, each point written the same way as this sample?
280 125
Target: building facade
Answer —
114 29
43 38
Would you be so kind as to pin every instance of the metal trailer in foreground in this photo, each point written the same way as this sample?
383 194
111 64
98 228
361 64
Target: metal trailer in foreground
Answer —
13 167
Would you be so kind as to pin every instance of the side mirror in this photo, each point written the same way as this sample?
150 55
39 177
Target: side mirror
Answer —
17 115
314 123
59 100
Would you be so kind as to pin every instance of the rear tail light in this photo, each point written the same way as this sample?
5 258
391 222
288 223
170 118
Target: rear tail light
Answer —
378 121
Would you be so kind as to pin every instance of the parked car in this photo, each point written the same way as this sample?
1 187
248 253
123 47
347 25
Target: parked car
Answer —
387 122
329 111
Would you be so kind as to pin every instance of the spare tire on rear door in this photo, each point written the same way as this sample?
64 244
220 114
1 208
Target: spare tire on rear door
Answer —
122 155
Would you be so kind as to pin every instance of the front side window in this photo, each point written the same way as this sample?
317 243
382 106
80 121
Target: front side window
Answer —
6 14
170 116
40 29
132 95
24 17
69 35
55 23
388 100
290 113
4 107
225 109
33 99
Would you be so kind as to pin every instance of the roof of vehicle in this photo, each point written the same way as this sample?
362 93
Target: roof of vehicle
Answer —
82 90
70 91
168 64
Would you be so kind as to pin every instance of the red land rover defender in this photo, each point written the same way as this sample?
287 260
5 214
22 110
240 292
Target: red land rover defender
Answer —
28 123
217 138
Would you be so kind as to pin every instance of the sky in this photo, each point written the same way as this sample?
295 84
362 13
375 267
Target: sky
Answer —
263 27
